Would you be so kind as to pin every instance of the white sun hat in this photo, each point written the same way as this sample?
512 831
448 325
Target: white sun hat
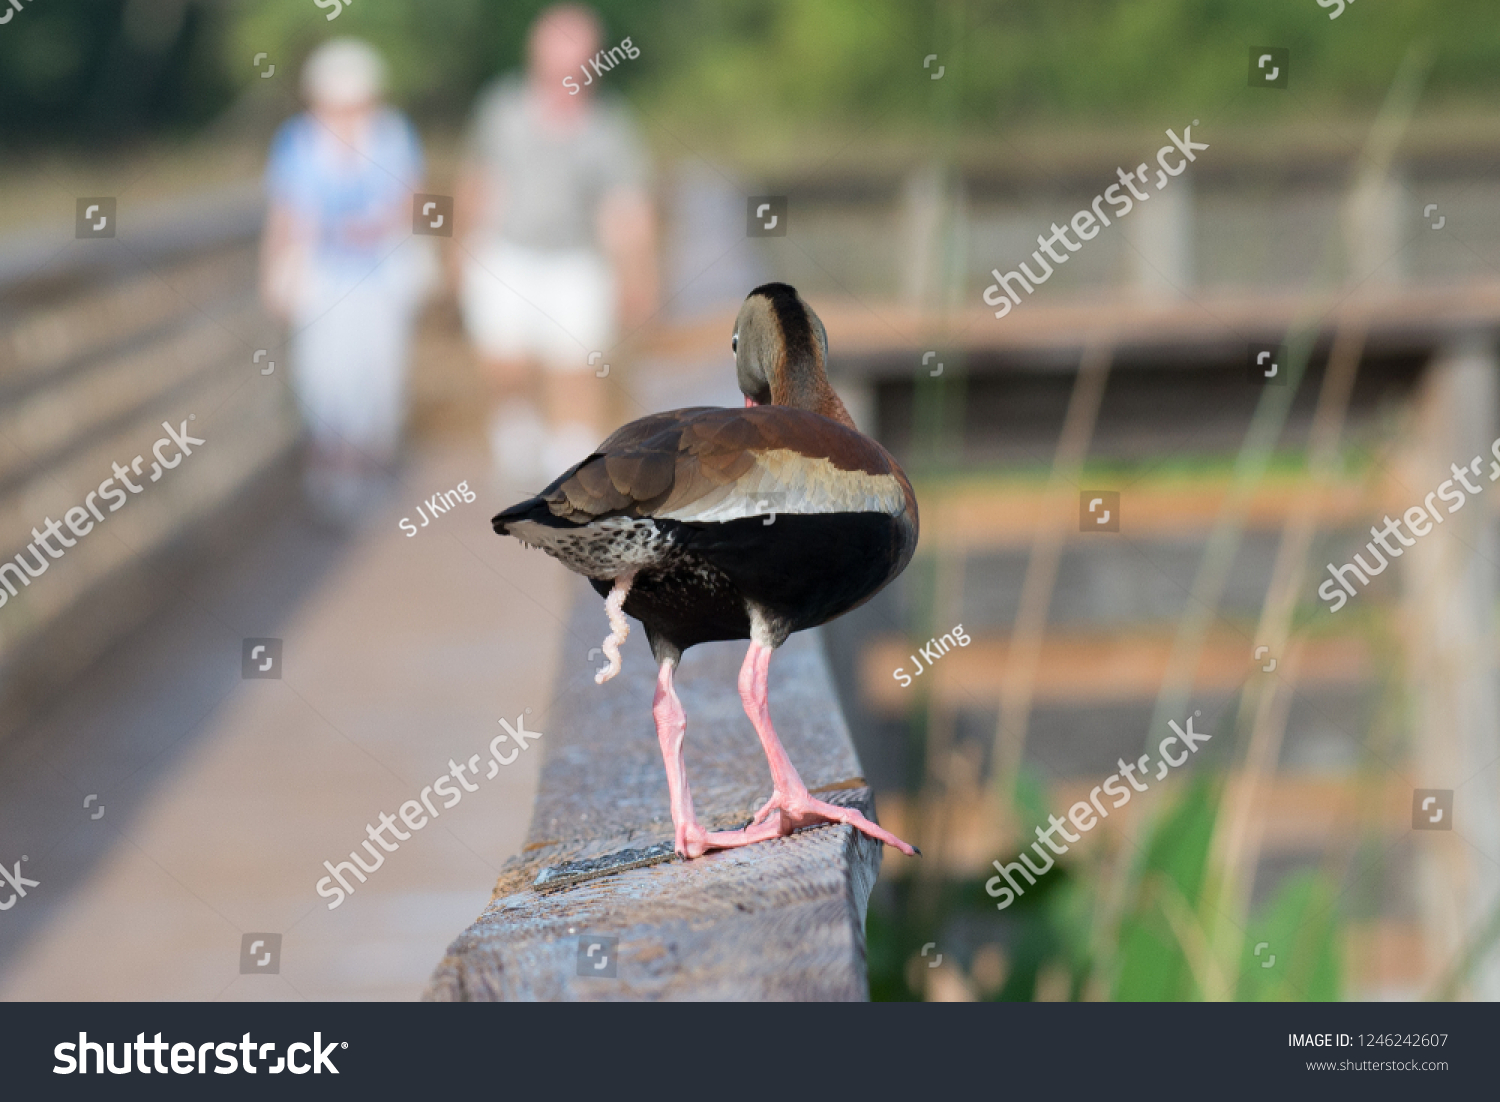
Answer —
343 72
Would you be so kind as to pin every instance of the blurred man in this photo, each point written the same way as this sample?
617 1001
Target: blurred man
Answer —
557 246
339 264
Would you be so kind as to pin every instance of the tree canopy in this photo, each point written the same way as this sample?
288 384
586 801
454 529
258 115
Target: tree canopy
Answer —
91 71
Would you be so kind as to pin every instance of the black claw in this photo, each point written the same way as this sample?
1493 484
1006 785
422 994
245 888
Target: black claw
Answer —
919 852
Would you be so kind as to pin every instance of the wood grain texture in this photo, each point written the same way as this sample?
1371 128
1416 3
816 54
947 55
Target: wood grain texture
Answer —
778 920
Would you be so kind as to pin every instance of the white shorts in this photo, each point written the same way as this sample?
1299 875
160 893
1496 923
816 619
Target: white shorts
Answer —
556 306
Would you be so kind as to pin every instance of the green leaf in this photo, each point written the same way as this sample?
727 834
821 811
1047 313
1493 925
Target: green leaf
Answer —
1298 936
1151 964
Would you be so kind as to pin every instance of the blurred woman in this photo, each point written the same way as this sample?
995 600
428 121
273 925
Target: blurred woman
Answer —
339 264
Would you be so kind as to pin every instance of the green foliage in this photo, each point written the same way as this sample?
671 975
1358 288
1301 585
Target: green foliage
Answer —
1007 60
410 36
1299 929
888 944
1158 950
104 71
728 68
1152 963
439 54
1053 922
1043 930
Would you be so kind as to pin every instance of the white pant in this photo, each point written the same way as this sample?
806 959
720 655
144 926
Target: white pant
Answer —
556 306
352 331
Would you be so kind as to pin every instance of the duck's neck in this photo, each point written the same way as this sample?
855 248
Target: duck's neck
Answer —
809 389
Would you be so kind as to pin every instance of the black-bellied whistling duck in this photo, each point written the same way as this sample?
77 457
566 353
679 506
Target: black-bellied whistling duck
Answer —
748 523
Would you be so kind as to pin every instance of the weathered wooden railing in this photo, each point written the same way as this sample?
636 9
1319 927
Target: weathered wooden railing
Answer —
100 342
778 920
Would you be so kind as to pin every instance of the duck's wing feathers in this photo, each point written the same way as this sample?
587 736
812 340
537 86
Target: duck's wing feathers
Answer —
708 465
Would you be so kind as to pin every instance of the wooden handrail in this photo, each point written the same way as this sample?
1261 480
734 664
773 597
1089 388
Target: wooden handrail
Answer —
104 345
777 920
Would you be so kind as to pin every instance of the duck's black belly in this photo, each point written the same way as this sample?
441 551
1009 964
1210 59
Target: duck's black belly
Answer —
801 569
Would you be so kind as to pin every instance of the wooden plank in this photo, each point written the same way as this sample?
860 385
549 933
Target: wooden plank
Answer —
778 920
1002 514
1213 318
1297 813
1387 959
1384 959
52 418
150 233
882 338
1449 642
1089 668
111 316
107 581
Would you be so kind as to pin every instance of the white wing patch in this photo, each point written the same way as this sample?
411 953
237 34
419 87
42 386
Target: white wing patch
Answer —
785 481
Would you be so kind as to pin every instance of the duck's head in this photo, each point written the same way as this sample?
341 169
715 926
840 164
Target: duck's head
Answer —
781 353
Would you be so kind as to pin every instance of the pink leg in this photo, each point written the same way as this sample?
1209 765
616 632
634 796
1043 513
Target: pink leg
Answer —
689 837
671 729
790 806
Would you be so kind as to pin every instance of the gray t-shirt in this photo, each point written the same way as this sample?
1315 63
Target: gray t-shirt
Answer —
543 188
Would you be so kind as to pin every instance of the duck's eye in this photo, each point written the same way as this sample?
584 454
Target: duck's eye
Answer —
734 344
